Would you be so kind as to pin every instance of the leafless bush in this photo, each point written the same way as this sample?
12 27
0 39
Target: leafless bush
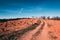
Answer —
43 17
48 17
56 18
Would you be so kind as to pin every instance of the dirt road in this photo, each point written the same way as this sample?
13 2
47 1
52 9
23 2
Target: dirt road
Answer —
39 33
33 33
44 33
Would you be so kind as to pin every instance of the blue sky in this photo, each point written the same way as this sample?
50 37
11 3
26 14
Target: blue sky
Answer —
29 8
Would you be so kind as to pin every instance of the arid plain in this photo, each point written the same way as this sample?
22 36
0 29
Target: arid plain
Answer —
29 29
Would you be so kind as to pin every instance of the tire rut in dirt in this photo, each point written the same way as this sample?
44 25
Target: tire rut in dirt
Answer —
38 32
15 34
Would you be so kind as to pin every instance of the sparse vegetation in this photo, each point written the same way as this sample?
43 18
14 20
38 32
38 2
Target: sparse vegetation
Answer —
56 18
51 36
43 17
52 18
49 25
16 33
4 20
48 17
13 24
21 32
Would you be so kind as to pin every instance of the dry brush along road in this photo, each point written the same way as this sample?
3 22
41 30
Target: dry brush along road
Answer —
36 31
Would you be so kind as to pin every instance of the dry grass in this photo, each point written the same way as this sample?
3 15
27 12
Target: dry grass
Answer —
8 27
54 28
17 27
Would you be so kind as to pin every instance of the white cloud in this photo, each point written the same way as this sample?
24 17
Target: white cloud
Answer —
21 10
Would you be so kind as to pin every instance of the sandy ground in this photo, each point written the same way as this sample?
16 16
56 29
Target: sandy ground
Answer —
54 29
30 29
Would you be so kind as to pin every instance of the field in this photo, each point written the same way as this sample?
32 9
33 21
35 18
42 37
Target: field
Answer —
29 29
54 29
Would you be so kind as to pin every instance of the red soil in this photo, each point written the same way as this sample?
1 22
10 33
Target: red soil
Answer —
15 25
45 30
54 28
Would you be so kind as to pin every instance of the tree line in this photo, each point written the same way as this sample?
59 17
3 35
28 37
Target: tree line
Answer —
52 18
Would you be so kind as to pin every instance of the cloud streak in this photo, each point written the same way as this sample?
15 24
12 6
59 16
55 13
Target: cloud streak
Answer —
20 11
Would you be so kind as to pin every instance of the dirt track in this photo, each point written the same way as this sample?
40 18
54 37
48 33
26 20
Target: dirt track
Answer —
36 31
39 33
